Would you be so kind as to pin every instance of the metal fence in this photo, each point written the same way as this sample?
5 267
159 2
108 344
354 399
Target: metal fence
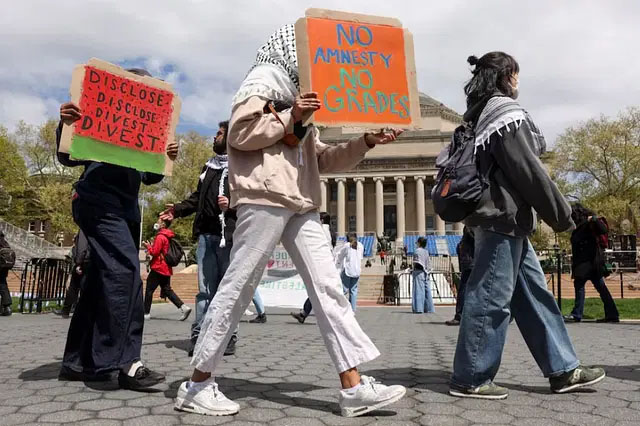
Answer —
43 280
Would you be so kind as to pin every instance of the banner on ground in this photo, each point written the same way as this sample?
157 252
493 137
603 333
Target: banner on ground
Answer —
281 285
361 66
127 119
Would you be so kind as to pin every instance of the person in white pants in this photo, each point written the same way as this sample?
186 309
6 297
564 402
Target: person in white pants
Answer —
275 164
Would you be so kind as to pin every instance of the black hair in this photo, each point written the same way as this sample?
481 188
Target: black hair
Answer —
580 213
492 73
224 124
140 71
167 223
422 242
325 218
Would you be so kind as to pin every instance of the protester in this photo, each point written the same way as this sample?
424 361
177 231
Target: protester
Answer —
325 219
80 258
105 333
507 279
349 261
422 300
161 272
464 249
275 165
588 263
213 228
5 266
382 254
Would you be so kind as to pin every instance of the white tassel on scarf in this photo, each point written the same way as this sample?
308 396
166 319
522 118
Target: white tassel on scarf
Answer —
225 172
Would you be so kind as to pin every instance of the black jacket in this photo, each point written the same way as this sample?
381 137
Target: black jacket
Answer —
80 251
587 260
204 203
519 185
107 188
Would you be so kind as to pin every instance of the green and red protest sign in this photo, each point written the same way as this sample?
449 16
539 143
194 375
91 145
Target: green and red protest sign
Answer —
127 119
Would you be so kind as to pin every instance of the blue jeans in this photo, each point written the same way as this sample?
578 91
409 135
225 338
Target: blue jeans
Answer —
610 309
350 287
507 280
422 288
257 302
213 262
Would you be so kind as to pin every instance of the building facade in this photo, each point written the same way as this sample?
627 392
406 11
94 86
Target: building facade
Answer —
389 191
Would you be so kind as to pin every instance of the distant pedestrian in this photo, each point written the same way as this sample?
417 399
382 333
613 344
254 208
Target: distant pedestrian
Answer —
80 255
161 272
382 254
422 300
588 262
7 260
349 260
464 250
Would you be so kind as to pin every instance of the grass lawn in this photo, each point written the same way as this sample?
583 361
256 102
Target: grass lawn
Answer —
594 309
16 304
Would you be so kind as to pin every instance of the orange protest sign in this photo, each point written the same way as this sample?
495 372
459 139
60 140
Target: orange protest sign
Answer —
127 119
362 68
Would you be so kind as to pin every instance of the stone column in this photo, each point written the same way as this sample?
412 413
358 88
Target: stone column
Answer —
420 213
440 226
379 206
359 205
399 209
323 194
458 227
341 207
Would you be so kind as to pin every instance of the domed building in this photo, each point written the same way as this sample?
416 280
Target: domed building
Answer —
389 191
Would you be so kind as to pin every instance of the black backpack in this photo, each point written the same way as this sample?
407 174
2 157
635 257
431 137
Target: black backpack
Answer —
174 254
7 258
459 184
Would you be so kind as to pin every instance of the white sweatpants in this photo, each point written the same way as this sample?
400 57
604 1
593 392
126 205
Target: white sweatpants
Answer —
258 231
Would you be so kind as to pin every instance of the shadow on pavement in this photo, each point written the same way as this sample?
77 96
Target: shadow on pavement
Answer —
48 371
415 378
623 372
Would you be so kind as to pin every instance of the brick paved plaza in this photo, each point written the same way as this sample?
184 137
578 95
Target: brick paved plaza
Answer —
282 375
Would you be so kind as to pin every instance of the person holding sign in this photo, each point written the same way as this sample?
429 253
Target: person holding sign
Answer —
105 333
274 174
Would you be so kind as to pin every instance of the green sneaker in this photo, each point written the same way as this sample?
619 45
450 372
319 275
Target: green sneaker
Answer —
488 391
577 378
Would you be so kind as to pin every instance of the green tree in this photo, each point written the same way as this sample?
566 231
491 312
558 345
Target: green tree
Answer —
13 178
598 163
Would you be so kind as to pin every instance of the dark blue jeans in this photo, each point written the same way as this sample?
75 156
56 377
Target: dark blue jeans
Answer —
462 288
507 280
105 333
610 309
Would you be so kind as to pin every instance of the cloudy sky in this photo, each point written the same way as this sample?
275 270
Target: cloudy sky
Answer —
578 58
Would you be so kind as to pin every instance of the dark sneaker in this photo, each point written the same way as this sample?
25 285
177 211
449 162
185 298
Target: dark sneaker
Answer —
453 322
69 375
571 318
299 317
62 313
608 320
231 347
577 378
260 319
488 391
143 380
6 311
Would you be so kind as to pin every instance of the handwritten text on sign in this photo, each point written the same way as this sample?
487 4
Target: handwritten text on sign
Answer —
124 112
359 71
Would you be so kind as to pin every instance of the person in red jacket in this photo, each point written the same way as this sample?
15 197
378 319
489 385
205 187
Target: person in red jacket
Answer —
160 275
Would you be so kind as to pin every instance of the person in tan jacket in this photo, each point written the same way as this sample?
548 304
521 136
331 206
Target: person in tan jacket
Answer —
275 164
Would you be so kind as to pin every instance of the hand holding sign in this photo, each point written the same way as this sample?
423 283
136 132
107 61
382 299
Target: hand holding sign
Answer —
69 113
305 105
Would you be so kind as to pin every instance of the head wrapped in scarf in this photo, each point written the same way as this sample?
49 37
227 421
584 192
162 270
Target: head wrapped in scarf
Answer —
274 75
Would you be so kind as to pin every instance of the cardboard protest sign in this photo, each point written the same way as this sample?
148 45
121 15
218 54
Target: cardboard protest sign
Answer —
127 119
362 67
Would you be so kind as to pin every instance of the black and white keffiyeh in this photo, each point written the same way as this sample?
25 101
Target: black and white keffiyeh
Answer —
274 75
219 162
216 163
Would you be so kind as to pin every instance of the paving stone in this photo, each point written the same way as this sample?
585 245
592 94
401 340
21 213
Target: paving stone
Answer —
99 404
45 407
67 416
123 413
438 420
17 419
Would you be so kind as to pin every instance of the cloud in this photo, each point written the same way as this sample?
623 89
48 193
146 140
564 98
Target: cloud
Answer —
574 55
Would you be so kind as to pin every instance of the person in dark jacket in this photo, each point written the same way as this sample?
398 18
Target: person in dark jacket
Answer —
464 249
5 295
213 228
587 263
105 333
507 279
161 272
80 259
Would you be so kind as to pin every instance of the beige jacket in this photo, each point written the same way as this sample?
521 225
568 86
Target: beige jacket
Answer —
264 170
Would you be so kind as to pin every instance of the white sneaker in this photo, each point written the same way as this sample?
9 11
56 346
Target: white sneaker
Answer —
368 397
147 317
186 311
204 398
